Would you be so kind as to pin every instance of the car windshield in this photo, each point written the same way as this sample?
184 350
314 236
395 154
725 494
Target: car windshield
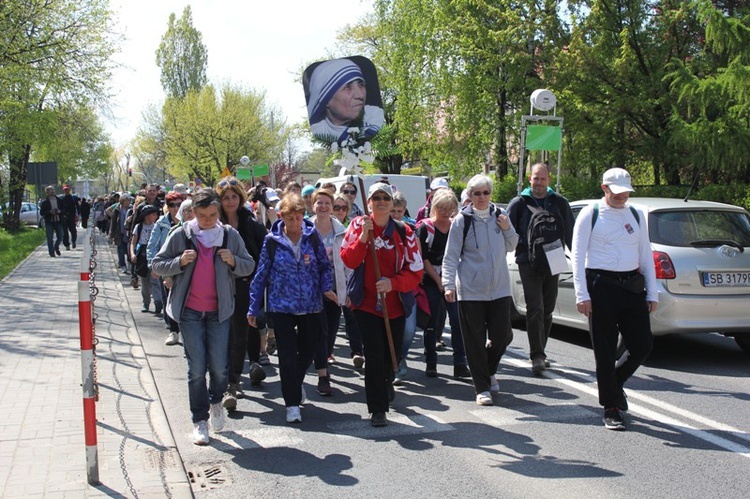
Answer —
686 228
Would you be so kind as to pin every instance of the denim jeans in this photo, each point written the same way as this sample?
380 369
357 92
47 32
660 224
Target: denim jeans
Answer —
122 253
435 331
353 332
410 329
54 229
206 343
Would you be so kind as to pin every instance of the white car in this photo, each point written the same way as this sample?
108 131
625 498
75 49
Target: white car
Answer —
30 214
702 259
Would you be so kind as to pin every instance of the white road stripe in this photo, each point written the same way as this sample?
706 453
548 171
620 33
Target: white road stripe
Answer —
590 389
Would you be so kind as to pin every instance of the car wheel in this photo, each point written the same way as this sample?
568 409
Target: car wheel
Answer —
743 340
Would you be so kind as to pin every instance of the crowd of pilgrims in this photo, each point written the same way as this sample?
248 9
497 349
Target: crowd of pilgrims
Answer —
239 274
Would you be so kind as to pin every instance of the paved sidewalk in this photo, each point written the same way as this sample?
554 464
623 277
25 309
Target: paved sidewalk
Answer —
42 449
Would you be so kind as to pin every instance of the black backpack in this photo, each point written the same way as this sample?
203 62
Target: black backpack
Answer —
544 228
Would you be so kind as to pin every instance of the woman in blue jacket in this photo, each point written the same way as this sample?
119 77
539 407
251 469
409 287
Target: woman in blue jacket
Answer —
295 269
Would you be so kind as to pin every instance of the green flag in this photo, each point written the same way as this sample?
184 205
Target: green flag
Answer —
543 138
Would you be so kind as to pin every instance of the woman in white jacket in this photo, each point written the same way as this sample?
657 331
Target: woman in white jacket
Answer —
331 233
475 273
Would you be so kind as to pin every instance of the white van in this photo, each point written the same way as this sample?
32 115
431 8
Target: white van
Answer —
413 187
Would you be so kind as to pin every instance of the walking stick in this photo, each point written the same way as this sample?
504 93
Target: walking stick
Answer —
374 251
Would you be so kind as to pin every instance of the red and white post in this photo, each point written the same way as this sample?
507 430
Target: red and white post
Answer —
86 330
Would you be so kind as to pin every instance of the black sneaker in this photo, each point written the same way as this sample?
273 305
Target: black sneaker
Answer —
324 386
613 419
461 371
622 404
378 419
257 374
431 371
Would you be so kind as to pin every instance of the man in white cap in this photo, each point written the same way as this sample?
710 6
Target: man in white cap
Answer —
615 286
437 183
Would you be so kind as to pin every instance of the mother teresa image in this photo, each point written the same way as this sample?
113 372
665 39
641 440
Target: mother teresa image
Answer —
343 94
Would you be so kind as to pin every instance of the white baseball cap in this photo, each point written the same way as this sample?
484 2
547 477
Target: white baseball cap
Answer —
439 183
618 181
379 186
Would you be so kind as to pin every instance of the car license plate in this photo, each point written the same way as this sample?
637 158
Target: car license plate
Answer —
719 279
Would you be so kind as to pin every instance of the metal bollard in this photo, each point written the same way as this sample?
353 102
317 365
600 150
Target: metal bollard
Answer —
86 331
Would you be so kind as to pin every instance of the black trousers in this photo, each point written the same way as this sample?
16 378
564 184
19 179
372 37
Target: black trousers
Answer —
330 326
614 311
379 369
486 329
241 335
70 233
540 291
297 338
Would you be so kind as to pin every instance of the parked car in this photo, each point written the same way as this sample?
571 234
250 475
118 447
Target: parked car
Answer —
702 263
29 214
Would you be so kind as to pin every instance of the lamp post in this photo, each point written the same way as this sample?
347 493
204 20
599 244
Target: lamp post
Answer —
244 161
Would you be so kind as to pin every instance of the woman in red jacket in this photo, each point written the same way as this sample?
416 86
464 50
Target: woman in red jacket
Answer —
400 264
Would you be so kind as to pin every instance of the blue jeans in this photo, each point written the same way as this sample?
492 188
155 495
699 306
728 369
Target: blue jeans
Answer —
206 343
437 302
54 229
122 253
410 329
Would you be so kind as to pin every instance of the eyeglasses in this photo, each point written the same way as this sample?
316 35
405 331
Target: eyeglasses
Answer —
173 205
340 207
348 191
481 193
380 198
225 183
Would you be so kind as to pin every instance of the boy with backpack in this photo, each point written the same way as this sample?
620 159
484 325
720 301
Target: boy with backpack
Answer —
544 221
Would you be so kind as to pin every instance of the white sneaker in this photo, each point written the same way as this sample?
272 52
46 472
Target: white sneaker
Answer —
172 339
494 386
218 417
303 399
484 398
200 433
293 414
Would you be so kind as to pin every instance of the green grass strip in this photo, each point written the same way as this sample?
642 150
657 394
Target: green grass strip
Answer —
16 245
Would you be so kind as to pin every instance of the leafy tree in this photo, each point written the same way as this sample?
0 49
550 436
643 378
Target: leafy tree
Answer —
182 56
54 56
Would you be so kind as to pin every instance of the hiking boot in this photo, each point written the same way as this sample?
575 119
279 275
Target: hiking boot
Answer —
461 371
200 433
613 419
134 282
257 374
229 402
173 338
324 386
484 398
378 419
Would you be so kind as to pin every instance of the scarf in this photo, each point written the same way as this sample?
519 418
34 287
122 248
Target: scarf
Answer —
209 238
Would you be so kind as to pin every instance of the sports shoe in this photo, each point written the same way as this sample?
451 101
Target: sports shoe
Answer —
613 419
398 381
537 366
546 364
200 433
461 371
257 374
431 371
236 390
144 308
263 360
484 398
218 416
378 419
229 401
74 245
494 385
358 360
173 338
324 386
293 414
623 402
57 251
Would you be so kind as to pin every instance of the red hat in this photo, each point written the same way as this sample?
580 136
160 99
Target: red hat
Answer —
66 186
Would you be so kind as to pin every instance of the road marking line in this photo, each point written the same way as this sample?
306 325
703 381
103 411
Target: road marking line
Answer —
701 434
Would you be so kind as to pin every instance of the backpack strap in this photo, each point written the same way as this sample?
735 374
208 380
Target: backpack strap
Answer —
225 241
595 215
468 220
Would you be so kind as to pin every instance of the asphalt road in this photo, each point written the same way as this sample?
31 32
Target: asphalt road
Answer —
689 433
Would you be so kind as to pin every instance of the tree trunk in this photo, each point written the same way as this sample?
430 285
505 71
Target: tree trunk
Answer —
18 158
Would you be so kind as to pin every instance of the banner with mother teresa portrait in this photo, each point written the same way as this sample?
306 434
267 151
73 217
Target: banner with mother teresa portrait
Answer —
343 100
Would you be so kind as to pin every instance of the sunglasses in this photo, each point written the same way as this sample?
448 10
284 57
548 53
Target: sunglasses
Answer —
173 205
340 207
380 198
347 191
481 193
225 183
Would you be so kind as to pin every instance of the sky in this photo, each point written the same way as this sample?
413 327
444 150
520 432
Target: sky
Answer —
260 44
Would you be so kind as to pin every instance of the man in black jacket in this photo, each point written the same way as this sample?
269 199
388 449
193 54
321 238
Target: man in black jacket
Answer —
539 284
70 217
51 210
